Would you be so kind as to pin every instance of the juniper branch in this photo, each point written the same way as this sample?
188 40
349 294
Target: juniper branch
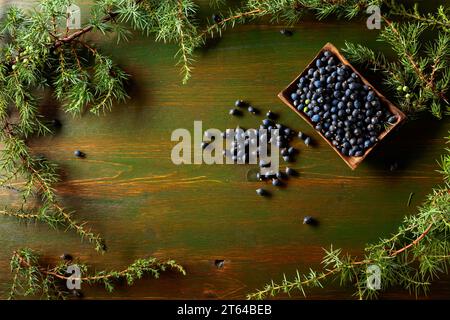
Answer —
440 19
40 177
420 77
30 278
411 258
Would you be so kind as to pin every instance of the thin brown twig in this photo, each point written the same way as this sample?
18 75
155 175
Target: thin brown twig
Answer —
42 185
353 263
416 241
108 17
19 215
410 58
420 18
428 82
181 16
222 22
57 275
87 46
74 52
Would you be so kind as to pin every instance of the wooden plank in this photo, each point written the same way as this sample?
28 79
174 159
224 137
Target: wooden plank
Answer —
129 190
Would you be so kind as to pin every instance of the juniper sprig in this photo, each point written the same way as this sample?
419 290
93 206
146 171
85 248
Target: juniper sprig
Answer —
439 19
286 11
32 279
411 258
419 79
39 53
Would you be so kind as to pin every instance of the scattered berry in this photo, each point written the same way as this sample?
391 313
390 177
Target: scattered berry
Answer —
271 115
286 32
291 172
252 110
307 141
66 257
234 112
292 151
217 18
56 123
280 175
240 103
261 192
79 154
277 183
309 220
219 263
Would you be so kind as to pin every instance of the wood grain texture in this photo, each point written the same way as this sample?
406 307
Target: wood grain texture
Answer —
129 190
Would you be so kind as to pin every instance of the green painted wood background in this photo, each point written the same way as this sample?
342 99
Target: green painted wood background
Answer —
130 192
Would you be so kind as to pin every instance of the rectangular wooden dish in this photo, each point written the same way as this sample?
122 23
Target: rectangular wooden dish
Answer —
285 96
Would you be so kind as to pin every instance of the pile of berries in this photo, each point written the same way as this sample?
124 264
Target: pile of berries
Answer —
241 152
346 111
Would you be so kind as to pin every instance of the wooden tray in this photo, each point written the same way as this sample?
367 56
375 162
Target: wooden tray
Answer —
285 95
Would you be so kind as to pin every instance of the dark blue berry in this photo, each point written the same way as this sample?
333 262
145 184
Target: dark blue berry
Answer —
271 115
276 182
240 103
252 110
392 119
307 141
318 84
286 32
281 175
56 123
262 192
234 112
66 257
292 151
309 220
79 154
291 172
